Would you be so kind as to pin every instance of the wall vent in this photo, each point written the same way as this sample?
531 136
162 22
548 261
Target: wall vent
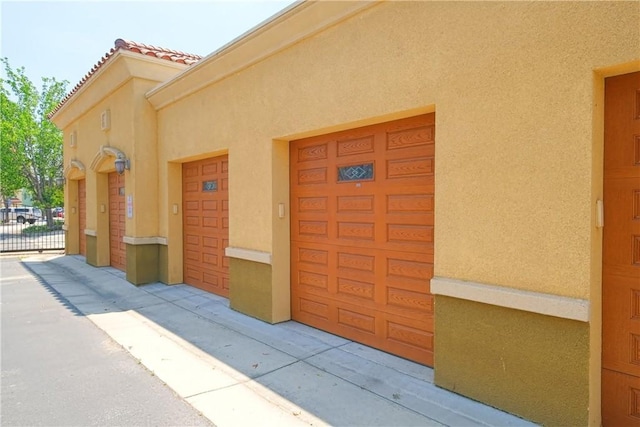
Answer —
105 120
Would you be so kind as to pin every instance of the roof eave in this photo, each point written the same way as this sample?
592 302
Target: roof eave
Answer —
78 103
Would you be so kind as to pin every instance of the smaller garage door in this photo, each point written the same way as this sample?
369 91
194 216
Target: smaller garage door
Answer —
621 253
82 215
118 249
206 224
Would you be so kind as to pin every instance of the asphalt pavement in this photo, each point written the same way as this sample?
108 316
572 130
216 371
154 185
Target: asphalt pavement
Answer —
59 369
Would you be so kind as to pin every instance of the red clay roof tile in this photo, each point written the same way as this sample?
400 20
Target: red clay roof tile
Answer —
141 48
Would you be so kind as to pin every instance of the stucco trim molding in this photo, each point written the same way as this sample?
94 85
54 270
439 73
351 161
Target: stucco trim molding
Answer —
105 152
74 164
535 302
248 254
145 240
89 232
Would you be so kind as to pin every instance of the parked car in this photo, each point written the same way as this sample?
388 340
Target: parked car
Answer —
21 215
57 212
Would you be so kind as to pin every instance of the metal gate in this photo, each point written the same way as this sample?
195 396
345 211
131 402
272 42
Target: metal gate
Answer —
22 236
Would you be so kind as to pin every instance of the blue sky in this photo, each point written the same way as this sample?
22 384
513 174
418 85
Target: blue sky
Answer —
64 39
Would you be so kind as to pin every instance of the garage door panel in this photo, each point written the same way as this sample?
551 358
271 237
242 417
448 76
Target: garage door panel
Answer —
315 216
314 311
191 239
191 187
363 321
225 259
407 336
209 222
414 285
82 216
312 204
409 203
210 242
402 268
410 137
316 280
224 184
426 149
192 206
192 274
313 265
313 229
356 204
367 217
356 230
315 256
405 299
311 152
354 278
410 233
354 146
312 176
192 221
205 224
210 279
361 290
190 170
211 259
117 247
362 232
209 205
193 255
409 168
209 168
408 218
361 260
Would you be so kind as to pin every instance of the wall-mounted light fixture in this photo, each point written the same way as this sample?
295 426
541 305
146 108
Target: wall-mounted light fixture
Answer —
60 181
121 163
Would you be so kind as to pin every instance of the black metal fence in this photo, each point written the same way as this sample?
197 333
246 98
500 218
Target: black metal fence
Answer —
21 236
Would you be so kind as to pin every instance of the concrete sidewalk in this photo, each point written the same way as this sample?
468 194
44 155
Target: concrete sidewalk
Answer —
237 370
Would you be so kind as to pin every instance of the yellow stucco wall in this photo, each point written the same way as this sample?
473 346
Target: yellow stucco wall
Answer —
118 87
512 84
531 365
517 91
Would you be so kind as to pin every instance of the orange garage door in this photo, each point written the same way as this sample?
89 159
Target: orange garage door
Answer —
206 224
362 235
82 215
118 249
621 253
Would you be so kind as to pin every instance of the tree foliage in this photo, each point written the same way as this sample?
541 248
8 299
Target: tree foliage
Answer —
31 146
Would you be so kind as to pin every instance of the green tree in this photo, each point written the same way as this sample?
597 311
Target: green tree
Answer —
31 145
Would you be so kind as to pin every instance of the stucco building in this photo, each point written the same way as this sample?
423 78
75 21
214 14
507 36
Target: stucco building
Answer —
457 183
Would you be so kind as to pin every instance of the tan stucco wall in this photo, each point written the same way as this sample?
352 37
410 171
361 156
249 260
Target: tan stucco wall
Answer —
518 132
250 298
531 365
142 264
517 90
118 87
512 84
